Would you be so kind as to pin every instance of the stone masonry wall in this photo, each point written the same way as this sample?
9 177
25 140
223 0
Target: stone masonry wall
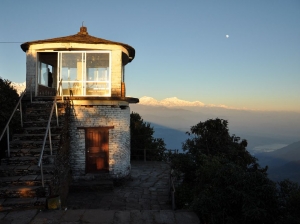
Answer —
119 138
116 73
31 69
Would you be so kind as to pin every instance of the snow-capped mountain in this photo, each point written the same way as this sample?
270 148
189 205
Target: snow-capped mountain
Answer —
20 87
169 102
175 102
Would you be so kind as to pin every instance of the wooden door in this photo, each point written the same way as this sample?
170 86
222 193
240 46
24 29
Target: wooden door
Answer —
96 149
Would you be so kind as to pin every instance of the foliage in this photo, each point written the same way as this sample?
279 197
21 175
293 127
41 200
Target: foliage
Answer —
212 138
289 202
142 138
222 181
8 100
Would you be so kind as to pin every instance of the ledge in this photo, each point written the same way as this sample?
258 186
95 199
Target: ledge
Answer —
87 98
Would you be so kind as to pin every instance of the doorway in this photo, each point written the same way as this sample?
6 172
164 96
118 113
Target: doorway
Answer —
97 149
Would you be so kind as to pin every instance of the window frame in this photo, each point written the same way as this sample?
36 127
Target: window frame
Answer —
102 88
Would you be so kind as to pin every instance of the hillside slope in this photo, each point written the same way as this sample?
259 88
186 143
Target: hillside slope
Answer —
283 163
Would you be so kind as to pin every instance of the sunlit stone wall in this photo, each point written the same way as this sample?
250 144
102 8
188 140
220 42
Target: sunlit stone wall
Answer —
31 68
116 72
119 138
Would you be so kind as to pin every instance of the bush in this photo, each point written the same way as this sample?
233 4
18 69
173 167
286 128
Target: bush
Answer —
8 100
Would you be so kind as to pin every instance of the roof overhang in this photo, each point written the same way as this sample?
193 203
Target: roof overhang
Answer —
81 40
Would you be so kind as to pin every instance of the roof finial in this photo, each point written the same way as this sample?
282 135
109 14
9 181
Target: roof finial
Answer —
83 30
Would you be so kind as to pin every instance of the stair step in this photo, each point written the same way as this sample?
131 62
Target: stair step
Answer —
35 137
23 191
40 117
42 123
39 103
27 160
24 170
32 152
32 144
36 107
10 204
38 130
28 180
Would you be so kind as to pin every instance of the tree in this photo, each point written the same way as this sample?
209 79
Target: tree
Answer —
8 100
289 201
142 138
221 180
212 138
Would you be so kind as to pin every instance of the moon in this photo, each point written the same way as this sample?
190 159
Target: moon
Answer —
227 36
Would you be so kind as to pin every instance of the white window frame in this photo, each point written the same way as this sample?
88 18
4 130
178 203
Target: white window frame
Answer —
84 81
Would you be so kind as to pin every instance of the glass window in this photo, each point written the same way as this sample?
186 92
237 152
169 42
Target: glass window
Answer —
85 73
98 79
43 80
47 62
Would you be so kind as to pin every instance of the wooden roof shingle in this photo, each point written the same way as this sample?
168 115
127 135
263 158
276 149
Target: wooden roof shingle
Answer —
81 37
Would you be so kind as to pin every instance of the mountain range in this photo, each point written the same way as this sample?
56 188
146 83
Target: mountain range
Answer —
175 102
264 130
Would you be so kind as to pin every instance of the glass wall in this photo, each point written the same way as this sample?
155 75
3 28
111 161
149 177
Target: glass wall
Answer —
98 75
85 73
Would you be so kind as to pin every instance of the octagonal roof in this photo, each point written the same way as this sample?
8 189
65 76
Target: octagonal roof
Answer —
81 37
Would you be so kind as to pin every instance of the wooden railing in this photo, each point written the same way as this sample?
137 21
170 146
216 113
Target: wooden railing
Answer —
48 131
6 128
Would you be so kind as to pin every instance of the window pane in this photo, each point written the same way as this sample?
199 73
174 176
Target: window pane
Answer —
85 77
71 66
44 74
72 70
97 88
97 66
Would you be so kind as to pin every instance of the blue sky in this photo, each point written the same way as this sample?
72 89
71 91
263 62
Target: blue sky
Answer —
181 46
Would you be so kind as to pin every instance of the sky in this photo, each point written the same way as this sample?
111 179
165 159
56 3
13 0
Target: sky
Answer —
181 46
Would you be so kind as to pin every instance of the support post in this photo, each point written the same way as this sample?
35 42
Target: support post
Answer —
56 112
42 174
50 141
21 113
8 149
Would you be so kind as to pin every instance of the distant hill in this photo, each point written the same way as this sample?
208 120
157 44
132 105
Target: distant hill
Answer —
281 156
172 137
290 170
264 130
283 163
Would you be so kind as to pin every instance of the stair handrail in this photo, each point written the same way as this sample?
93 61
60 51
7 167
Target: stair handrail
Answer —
172 188
12 114
48 129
